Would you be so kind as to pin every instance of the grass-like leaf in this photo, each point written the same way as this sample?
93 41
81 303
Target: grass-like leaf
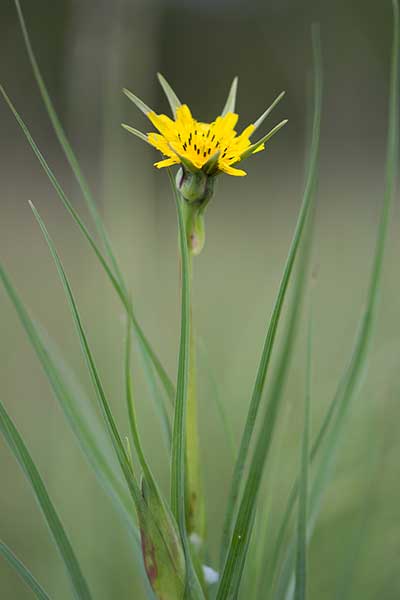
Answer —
87 195
353 377
301 559
23 572
230 103
120 289
157 395
77 408
155 525
22 455
268 345
115 437
65 145
266 565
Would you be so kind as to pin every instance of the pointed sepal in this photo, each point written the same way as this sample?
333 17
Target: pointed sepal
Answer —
267 112
259 145
172 98
138 102
139 134
231 100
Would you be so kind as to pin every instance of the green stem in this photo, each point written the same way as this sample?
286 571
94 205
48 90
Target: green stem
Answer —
195 520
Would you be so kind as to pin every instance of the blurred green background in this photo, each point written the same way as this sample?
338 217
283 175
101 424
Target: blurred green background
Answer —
88 51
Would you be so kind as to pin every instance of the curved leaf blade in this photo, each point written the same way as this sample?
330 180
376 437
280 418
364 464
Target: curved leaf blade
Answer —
23 572
18 448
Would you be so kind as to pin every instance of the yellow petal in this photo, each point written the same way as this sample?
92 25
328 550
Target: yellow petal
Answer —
231 171
168 162
164 124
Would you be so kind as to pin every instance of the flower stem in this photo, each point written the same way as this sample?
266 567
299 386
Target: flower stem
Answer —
195 517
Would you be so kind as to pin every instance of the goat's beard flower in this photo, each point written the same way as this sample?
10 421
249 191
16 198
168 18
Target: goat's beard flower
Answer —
203 150
210 147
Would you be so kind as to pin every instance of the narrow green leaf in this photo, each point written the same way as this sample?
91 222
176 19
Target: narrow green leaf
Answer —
157 396
267 112
301 562
178 450
21 453
139 134
151 523
77 408
119 288
130 401
115 437
353 376
172 98
230 103
267 566
263 140
66 146
138 102
209 376
87 195
23 572
237 545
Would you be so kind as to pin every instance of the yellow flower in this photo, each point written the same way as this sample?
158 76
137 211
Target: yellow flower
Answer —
186 138
202 148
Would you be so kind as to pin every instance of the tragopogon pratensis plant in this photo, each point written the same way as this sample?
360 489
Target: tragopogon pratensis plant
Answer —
169 534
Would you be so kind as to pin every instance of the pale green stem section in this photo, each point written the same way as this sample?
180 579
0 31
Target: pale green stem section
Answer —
195 504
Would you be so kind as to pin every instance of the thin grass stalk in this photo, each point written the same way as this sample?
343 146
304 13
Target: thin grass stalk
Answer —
87 195
80 588
239 540
23 572
301 558
354 374
263 368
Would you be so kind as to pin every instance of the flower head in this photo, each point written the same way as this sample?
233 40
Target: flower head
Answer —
202 150
208 148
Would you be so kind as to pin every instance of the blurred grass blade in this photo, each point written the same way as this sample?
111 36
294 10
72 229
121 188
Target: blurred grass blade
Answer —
115 437
77 408
119 288
230 103
21 453
157 530
130 401
209 376
267 112
157 396
267 566
270 337
87 195
172 98
301 562
66 146
23 572
354 373
178 450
